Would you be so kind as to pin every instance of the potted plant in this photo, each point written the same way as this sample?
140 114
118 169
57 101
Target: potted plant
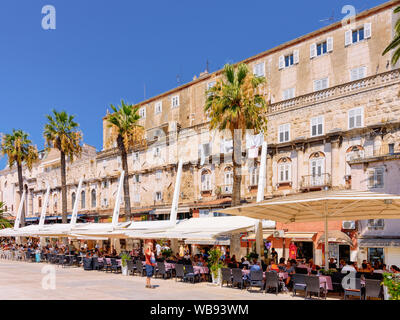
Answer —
251 256
391 286
124 264
215 265
167 253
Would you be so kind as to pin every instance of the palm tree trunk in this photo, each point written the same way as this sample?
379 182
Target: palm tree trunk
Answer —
237 167
21 191
124 160
63 188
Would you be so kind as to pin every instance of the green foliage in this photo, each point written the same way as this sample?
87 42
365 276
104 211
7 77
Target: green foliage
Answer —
392 282
395 44
124 258
252 255
62 132
327 272
167 252
19 149
214 261
4 223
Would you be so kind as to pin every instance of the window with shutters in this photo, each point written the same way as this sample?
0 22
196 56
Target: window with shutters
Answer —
284 132
358 73
175 101
321 84
136 178
259 69
288 94
358 35
135 156
158 107
93 195
356 118
142 112
156 152
284 172
289 60
321 48
317 126
375 178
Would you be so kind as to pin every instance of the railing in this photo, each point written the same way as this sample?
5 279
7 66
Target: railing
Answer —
337 91
316 181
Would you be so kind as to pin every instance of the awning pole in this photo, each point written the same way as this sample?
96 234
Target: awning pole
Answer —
326 238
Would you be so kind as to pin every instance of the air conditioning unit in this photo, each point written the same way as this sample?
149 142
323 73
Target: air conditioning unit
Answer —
278 233
348 225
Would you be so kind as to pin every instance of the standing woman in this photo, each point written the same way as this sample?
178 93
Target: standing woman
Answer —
150 263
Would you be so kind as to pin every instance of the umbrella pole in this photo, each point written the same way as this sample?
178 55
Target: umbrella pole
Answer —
326 239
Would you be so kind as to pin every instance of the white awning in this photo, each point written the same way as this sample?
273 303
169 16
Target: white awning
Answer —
296 236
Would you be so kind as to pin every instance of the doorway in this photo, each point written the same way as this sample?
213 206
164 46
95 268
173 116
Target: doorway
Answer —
305 250
375 254
344 252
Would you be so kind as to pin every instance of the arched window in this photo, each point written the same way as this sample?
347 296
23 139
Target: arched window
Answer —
206 180
284 170
73 197
83 199
94 198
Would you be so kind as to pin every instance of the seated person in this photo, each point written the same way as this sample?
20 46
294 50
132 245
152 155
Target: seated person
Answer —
282 265
332 263
273 266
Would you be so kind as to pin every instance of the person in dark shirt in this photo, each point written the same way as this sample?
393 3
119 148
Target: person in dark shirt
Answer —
274 255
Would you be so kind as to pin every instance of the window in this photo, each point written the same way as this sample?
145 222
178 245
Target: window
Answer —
357 35
158 107
358 73
175 101
356 117
284 132
40 202
93 194
289 60
206 180
376 224
142 112
135 156
319 49
321 84
285 172
288 94
317 126
211 84
158 174
136 178
105 202
228 179
105 184
391 148
156 152
136 197
375 178
73 196
259 69
83 199
253 175
158 196
317 168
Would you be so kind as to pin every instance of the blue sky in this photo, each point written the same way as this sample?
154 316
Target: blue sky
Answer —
102 51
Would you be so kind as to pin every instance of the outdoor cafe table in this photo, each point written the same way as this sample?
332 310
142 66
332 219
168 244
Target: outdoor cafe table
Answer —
282 275
119 261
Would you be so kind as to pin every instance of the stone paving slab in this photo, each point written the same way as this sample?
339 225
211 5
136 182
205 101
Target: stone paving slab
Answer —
23 280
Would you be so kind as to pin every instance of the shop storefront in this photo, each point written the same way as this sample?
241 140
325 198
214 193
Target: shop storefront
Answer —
380 249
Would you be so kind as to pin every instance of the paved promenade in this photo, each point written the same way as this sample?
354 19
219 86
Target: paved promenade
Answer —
23 280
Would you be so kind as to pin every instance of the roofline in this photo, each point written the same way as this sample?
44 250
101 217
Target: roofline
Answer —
285 45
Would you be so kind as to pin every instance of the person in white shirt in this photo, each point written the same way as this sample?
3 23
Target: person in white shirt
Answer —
158 249
349 267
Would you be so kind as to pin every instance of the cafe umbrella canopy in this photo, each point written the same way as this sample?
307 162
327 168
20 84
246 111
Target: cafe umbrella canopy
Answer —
323 206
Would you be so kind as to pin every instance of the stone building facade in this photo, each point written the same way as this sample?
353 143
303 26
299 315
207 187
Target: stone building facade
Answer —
333 98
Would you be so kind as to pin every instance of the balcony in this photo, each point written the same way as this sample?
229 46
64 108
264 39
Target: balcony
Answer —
343 90
313 182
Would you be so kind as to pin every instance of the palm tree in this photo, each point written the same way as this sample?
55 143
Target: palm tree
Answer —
4 223
62 132
127 133
234 104
395 44
19 151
